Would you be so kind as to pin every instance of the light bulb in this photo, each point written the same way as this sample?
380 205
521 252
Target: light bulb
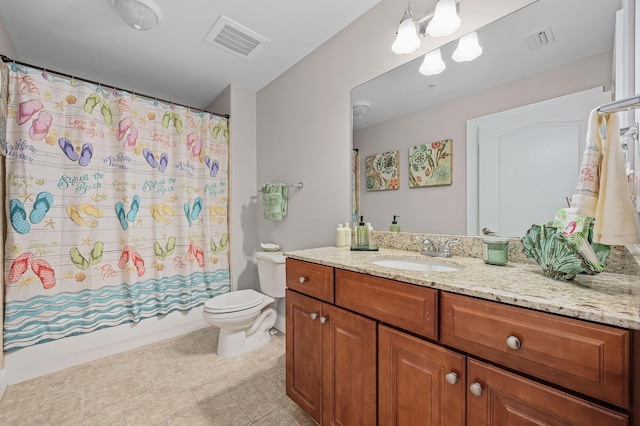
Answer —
432 63
445 19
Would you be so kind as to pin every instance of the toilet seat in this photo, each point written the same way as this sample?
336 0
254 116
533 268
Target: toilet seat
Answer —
234 301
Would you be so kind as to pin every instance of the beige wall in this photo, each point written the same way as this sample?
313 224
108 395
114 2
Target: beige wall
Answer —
6 46
240 105
304 117
443 209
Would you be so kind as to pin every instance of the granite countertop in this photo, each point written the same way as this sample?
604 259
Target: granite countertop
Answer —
607 298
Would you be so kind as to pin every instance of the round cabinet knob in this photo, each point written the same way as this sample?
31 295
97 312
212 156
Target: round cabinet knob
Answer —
324 319
513 342
476 388
452 378
302 280
313 316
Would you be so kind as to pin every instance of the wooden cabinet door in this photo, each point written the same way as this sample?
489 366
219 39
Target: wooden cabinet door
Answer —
349 368
304 353
510 400
413 386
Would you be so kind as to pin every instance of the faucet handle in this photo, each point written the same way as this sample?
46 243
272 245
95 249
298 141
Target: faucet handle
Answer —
426 242
447 248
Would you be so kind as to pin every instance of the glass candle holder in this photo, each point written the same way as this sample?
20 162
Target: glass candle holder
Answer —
495 250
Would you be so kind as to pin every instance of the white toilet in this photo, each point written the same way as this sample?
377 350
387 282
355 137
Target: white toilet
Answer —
245 317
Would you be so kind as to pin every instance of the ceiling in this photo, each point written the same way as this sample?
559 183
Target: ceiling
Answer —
87 39
581 28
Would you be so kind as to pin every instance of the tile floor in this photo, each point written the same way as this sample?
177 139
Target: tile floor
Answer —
180 381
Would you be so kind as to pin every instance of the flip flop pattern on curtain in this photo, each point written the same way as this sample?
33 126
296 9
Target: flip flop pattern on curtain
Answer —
116 207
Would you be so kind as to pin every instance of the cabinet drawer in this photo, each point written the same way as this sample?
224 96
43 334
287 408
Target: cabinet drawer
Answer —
589 358
311 279
407 306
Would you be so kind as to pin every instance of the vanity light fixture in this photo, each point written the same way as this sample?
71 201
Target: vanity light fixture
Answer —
468 48
407 40
445 19
141 15
360 108
432 63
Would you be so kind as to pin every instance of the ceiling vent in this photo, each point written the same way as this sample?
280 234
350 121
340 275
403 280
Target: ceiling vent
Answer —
540 38
235 38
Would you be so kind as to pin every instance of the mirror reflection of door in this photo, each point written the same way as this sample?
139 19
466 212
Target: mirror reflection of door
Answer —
530 159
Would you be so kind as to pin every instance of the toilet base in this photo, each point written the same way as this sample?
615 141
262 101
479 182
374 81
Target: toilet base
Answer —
237 342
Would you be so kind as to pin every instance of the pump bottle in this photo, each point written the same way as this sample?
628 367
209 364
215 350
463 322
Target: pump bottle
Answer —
362 234
394 227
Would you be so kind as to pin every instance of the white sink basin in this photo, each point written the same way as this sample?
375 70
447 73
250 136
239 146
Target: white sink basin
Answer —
415 265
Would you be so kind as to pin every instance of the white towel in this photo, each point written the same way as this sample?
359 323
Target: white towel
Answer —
602 191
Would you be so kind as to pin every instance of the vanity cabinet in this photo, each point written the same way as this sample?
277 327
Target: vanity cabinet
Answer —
447 359
331 362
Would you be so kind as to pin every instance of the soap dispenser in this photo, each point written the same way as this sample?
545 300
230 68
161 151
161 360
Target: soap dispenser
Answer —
362 234
394 227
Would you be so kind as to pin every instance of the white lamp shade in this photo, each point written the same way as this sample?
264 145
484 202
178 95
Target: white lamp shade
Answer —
468 48
445 19
432 63
141 15
407 40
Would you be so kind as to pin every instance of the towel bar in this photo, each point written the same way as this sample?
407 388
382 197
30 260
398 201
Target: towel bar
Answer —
293 185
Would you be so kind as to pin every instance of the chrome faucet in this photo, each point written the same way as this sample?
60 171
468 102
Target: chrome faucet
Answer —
430 248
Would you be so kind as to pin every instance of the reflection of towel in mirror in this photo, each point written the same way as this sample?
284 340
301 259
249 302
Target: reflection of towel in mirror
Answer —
274 201
602 191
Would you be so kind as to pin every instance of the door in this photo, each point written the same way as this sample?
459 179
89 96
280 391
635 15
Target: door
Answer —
527 162
420 384
349 368
304 353
498 398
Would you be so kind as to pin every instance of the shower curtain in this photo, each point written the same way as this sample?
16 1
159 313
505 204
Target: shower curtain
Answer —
116 208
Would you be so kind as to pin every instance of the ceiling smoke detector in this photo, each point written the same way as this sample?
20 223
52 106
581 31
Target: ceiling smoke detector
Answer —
360 108
141 15
235 38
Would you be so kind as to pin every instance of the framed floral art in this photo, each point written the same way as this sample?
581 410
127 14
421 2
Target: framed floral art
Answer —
383 171
431 164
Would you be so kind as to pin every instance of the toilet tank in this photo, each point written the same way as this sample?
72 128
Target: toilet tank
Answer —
271 273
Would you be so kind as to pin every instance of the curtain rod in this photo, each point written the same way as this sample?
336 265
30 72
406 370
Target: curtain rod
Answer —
620 105
97 83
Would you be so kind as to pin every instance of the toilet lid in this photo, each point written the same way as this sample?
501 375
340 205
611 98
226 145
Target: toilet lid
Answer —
234 301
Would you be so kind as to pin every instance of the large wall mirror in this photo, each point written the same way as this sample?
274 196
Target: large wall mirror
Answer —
547 50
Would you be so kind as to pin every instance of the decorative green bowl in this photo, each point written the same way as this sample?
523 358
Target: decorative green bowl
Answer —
556 255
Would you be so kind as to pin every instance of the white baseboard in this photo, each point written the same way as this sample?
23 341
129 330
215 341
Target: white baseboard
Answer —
34 361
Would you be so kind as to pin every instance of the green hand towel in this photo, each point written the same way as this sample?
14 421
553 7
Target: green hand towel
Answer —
274 201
